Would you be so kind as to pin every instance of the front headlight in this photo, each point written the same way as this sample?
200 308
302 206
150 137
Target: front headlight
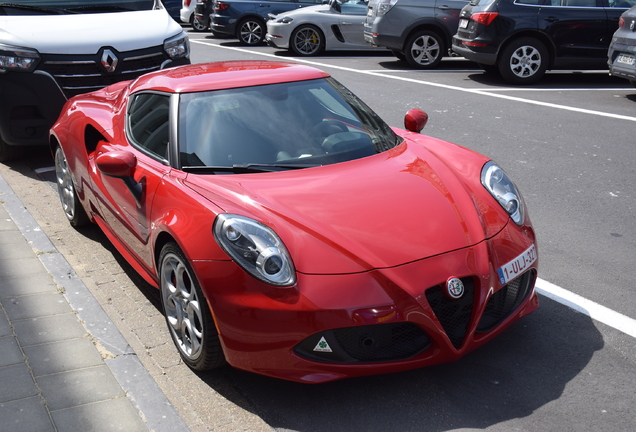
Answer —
14 58
177 46
284 20
504 190
256 248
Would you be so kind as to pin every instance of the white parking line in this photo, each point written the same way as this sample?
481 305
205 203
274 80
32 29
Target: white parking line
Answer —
574 301
593 310
428 83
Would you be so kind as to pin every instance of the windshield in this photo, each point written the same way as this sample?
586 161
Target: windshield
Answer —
31 7
279 126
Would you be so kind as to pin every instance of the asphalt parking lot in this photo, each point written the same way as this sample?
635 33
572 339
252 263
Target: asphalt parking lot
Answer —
568 142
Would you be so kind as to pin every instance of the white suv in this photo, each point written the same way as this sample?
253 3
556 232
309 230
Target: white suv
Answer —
56 49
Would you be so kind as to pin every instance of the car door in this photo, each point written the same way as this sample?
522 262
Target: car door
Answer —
577 28
351 21
127 202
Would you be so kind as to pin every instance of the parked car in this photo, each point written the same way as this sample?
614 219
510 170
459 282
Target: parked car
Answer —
522 39
418 31
187 15
622 50
245 19
260 199
202 11
52 50
337 25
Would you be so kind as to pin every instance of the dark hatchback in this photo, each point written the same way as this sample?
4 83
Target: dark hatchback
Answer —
245 19
621 56
521 39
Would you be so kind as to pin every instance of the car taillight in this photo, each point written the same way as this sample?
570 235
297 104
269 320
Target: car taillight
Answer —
186 2
484 18
621 22
220 6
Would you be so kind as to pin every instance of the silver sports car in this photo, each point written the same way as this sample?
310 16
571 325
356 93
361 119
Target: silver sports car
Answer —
337 25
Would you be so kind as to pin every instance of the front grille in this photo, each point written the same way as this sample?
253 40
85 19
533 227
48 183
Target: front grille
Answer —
76 74
505 301
364 344
453 314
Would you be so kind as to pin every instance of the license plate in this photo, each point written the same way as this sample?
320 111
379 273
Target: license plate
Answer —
626 59
463 23
517 266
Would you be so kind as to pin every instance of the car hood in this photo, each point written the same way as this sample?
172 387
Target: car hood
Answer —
57 34
377 212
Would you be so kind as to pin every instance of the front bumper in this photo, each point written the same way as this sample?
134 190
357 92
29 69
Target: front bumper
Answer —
278 35
386 320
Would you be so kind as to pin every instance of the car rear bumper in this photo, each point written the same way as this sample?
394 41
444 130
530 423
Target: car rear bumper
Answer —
330 327
461 49
622 70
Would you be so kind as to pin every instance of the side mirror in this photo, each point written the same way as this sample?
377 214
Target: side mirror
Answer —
120 164
415 120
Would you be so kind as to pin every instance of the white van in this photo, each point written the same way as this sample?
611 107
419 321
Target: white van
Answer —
51 50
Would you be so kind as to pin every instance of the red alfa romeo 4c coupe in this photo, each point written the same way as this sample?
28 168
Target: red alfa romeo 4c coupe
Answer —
290 231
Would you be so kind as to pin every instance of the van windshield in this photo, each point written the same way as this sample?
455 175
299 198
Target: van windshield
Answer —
48 7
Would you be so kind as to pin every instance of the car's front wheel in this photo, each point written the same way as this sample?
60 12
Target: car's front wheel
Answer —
307 40
71 205
186 310
523 61
424 49
251 31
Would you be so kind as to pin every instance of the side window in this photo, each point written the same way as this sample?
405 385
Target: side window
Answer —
623 4
575 3
148 123
313 1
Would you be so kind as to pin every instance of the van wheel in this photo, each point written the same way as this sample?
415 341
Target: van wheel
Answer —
9 152
523 61
424 49
251 31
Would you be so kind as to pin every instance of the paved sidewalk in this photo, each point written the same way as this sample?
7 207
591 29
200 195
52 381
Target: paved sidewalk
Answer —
64 366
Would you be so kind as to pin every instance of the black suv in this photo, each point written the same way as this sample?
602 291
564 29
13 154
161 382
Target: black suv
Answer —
521 39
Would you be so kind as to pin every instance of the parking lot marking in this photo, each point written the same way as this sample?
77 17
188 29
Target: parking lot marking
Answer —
593 310
428 83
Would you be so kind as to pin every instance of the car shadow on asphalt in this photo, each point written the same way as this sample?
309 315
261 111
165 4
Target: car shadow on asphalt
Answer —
525 368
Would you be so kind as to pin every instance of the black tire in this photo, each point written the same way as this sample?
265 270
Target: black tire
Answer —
490 69
186 311
399 54
197 26
307 40
523 61
9 152
424 49
251 31
71 205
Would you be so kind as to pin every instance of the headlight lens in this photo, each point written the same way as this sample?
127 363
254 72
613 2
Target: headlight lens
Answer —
18 59
504 190
177 46
256 248
284 20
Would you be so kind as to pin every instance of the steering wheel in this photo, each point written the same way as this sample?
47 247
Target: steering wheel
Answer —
326 128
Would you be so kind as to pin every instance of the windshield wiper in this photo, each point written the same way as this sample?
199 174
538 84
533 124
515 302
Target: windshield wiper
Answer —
57 11
247 168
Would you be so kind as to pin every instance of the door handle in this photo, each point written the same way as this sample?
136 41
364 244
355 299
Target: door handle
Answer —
552 19
444 7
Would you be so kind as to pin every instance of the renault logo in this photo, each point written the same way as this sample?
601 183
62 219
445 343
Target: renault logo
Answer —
109 60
